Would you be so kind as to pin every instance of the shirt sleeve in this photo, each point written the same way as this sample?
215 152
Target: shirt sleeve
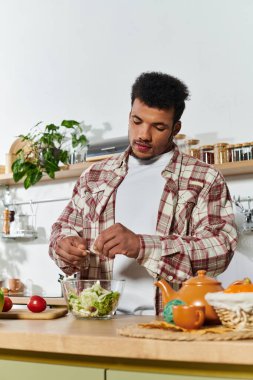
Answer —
70 223
209 245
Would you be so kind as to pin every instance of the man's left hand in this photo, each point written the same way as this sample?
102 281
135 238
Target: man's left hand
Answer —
117 239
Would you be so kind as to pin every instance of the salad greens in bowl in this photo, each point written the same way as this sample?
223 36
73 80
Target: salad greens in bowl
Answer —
92 299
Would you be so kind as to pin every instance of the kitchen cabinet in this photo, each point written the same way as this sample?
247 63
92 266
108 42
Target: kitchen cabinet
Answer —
41 371
74 171
13 370
128 375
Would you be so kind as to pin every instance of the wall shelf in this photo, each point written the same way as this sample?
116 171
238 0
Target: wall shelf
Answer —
235 168
20 236
74 171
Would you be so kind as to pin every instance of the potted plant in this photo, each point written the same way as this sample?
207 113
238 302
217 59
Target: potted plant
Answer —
44 151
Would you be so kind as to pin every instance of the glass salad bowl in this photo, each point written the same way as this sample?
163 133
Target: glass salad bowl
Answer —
92 299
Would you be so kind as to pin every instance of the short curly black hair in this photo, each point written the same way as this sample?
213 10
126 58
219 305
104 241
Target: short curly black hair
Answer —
162 91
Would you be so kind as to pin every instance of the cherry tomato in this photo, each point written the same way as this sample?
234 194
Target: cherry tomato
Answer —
7 304
37 304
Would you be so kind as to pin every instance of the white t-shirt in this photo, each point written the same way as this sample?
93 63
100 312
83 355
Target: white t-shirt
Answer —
137 203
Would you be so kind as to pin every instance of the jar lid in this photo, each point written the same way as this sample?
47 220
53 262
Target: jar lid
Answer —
206 147
237 145
221 144
192 142
201 279
180 136
246 144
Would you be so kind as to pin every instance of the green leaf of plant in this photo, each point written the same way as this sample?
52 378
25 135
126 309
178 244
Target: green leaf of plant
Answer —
25 137
27 182
81 140
36 125
17 164
35 175
69 123
50 138
64 156
19 151
74 140
18 169
21 136
51 166
18 176
28 165
51 174
47 154
51 127
45 150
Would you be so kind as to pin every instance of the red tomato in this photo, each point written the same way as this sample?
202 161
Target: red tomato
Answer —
36 304
7 304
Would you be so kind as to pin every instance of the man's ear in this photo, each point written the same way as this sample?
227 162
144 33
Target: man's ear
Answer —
177 127
129 116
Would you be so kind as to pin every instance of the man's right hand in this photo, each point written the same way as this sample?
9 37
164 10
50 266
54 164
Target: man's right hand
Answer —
72 250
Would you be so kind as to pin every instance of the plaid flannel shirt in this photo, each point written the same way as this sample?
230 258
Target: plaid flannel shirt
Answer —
195 225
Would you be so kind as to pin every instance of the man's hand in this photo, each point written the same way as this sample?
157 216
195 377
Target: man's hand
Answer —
117 239
72 250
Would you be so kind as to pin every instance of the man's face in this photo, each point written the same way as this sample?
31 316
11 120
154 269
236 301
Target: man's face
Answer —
151 130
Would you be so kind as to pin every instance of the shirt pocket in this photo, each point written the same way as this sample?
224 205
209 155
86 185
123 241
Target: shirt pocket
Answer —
91 202
186 202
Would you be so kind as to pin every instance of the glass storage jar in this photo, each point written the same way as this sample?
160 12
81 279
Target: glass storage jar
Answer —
246 151
195 152
251 145
6 222
180 140
230 151
207 154
237 152
189 145
220 153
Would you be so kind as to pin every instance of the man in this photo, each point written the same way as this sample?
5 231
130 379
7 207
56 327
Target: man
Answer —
165 212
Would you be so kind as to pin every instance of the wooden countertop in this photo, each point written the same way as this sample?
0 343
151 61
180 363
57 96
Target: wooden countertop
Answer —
99 339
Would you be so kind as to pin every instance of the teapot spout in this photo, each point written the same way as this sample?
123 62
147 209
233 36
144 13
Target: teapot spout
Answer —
167 292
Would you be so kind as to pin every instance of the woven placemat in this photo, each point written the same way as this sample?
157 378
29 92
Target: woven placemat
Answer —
156 331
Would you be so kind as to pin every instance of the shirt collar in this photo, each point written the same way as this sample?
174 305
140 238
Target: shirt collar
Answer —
173 166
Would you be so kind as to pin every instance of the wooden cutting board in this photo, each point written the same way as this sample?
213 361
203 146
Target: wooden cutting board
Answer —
51 313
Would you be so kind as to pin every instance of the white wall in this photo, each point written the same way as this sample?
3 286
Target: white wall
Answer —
78 58
242 262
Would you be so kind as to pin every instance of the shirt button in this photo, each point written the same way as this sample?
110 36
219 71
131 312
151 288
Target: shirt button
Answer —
170 278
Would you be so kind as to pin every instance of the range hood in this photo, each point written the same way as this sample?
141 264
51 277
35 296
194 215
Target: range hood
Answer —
105 148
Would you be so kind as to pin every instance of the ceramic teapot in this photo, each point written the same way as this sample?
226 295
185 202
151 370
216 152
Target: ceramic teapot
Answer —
193 292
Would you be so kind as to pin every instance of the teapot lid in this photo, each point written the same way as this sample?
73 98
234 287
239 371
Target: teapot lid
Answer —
201 279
